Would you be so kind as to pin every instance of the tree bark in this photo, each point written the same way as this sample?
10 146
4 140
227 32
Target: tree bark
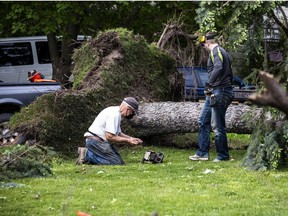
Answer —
54 52
182 117
61 64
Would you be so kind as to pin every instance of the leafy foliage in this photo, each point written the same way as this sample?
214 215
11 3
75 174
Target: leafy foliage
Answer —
240 27
23 161
232 20
145 18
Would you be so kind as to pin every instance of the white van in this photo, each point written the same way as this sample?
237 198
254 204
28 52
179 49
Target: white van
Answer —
22 54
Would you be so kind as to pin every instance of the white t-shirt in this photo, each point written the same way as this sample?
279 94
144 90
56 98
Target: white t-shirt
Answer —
108 120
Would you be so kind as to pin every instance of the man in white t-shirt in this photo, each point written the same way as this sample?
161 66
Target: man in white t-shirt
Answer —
106 129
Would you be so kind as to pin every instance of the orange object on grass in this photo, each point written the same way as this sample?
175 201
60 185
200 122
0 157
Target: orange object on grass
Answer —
79 213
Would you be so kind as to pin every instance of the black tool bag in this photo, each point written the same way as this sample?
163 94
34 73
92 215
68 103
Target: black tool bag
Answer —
153 157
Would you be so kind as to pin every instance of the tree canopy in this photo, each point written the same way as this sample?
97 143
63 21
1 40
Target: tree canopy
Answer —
233 21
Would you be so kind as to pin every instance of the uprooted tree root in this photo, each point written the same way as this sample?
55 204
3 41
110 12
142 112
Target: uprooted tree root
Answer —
108 68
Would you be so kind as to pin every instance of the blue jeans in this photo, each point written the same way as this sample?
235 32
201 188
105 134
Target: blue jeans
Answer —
213 114
102 153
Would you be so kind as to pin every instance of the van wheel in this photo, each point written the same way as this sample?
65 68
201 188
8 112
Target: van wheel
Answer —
4 117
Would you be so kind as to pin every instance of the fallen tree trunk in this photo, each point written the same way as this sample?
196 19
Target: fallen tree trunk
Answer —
182 117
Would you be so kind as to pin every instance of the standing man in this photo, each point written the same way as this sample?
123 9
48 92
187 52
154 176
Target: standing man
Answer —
106 130
219 95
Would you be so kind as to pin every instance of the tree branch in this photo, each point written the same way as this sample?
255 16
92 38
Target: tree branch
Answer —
273 96
284 15
279 23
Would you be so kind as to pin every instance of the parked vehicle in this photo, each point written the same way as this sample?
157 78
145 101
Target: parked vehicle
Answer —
15 96
196 77
22 54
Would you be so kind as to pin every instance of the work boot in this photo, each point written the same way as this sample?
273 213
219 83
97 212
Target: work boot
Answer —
82 154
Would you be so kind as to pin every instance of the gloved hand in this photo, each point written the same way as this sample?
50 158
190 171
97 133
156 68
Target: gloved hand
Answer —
208 90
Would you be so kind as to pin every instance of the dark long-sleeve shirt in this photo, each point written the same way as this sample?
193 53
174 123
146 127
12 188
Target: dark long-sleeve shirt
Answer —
219 68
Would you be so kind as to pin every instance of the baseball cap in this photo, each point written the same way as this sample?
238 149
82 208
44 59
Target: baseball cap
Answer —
132 103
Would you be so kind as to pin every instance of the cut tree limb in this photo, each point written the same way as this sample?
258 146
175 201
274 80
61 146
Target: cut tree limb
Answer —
274 95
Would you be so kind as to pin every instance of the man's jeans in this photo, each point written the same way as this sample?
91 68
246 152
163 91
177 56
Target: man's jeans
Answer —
213 114
102 153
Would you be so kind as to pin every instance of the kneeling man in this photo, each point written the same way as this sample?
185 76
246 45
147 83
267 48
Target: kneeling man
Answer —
106 130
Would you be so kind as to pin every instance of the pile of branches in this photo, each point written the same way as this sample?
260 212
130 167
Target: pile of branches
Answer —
22 161
267 148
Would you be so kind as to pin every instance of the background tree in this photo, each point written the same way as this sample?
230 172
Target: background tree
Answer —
51 19
241 28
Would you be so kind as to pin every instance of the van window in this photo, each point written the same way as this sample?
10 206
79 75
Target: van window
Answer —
23 54
14 54
43 52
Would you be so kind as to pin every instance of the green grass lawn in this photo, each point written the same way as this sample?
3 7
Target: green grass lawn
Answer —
176 187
